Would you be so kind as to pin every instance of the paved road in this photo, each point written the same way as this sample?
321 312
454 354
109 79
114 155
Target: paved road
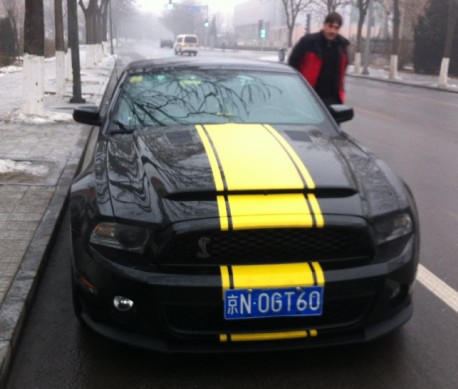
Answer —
415 131
410 128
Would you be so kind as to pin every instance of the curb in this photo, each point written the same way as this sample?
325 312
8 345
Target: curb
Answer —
405 83
19 298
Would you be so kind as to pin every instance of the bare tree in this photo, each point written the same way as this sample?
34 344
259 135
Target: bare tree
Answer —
34 47
13 11
95 14
292 8
361 6
333 5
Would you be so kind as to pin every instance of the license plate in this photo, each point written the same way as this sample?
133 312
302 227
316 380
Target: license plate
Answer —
259 303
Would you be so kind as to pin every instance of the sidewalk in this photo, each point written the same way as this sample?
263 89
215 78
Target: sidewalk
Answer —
38 159
407 77
403 77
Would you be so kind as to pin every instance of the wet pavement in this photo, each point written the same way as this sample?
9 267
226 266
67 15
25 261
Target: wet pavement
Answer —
38 159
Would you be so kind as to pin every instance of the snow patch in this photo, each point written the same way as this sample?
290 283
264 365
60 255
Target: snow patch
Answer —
25 167
10 69
49 117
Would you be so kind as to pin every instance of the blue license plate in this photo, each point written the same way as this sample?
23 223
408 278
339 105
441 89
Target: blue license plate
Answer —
258 303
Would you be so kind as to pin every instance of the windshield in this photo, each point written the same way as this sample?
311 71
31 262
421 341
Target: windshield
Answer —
212 97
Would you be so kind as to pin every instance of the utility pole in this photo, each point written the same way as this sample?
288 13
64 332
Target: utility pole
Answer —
367 48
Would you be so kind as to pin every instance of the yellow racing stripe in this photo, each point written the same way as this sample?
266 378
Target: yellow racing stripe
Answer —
212 158
319 220
271 165
279 275
267 211
252 158
273 276
264 336
304 172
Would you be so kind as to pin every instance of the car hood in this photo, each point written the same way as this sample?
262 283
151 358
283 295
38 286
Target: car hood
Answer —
275 176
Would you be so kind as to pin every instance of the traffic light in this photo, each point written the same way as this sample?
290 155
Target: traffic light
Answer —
261 29
170 6
206 23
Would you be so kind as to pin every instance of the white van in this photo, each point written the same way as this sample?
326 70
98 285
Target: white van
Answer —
186 43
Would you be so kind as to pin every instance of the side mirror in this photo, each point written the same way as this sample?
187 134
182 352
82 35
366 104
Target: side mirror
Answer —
341 113
87 115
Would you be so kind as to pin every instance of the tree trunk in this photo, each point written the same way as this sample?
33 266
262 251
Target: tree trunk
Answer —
451 21
60 48
34 28
34 39
396 27
395 43
73 42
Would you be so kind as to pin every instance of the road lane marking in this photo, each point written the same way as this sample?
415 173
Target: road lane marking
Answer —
438 287
377 115
413 96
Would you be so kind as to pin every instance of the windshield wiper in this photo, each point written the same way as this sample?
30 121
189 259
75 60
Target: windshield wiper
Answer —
122 128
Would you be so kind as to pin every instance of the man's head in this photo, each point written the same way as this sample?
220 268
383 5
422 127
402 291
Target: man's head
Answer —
331 25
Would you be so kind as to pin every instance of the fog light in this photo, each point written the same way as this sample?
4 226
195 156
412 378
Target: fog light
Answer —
396 289
123 304
399 293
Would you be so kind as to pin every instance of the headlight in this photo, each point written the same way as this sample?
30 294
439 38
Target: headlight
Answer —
393 227
120 236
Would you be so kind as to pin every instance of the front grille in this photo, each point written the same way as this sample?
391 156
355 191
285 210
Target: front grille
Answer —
267 246
210 319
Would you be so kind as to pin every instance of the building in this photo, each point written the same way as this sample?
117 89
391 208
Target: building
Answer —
252 16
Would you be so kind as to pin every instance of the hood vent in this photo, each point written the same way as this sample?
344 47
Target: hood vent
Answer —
200 195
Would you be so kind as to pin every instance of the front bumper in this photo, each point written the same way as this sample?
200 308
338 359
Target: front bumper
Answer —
178 312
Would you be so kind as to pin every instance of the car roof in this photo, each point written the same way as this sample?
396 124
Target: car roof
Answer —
207 63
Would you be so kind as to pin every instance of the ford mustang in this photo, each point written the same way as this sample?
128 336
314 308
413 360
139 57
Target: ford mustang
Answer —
220 206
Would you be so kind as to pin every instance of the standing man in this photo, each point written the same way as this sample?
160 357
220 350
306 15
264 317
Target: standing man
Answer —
322 59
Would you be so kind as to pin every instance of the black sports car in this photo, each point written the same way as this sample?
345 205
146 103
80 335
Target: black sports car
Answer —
220 207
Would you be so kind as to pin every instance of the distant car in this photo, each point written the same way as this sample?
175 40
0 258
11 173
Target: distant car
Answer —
166 43
221 207
186 44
